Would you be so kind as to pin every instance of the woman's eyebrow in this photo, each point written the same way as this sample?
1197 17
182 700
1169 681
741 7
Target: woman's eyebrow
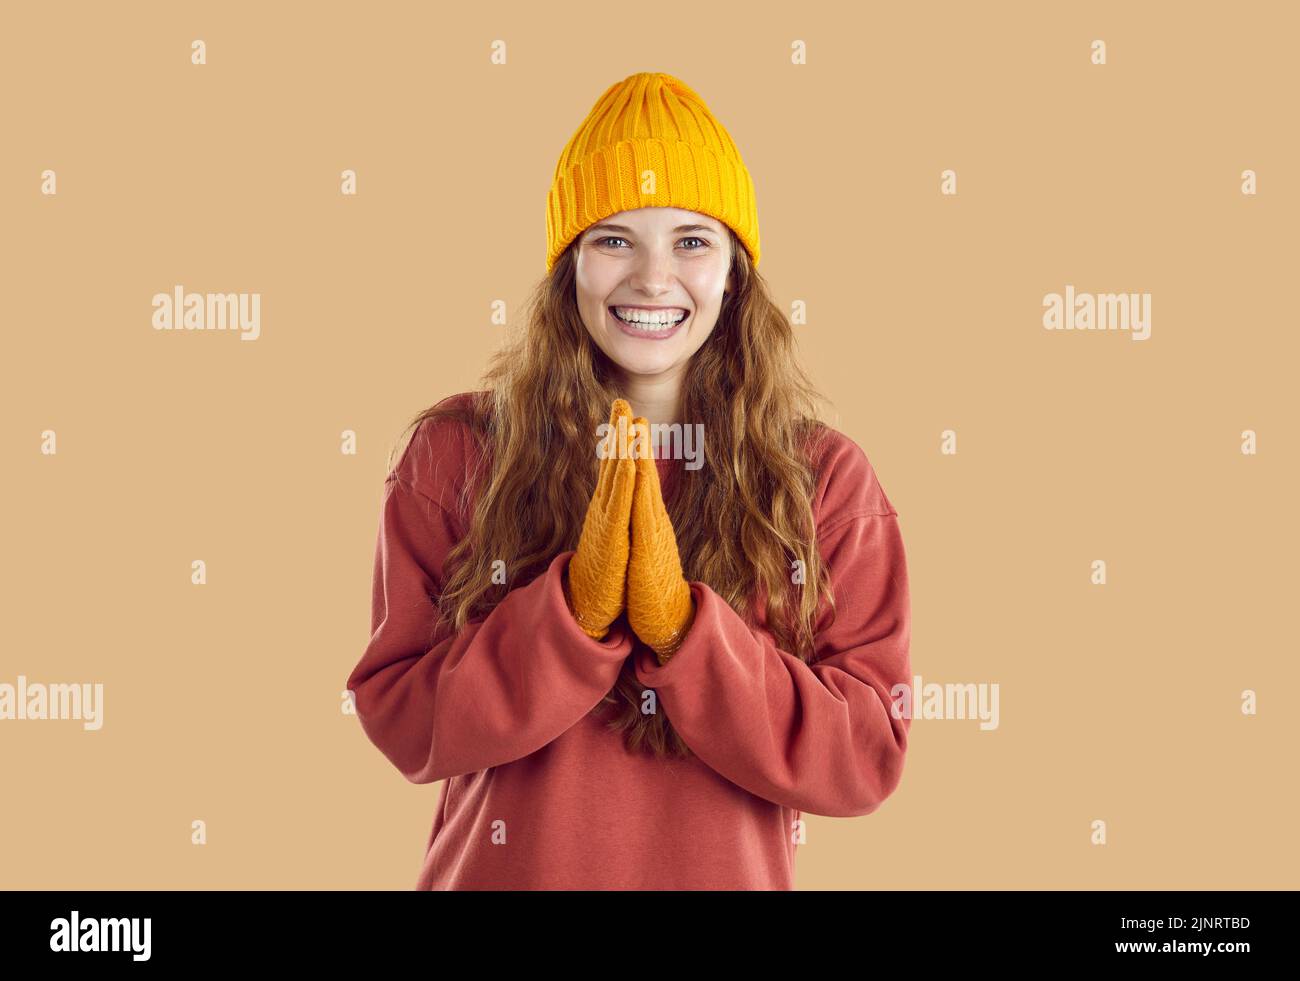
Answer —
625 229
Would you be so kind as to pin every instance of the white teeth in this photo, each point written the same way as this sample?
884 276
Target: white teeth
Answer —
650 320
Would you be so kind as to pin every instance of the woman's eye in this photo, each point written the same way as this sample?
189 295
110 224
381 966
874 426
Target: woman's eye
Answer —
606 240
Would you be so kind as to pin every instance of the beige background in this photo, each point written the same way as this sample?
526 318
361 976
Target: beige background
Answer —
222 703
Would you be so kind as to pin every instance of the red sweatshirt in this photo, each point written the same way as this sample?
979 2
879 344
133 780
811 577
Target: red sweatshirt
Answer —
538 793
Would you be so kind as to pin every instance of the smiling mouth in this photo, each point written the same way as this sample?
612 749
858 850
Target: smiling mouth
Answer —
650 322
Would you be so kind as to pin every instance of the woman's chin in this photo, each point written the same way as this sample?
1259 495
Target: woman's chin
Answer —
640 362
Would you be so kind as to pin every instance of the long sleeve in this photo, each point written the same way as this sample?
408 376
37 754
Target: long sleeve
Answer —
439 703
819 737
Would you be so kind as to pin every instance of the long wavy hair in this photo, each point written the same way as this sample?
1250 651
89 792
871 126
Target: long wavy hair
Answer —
743 521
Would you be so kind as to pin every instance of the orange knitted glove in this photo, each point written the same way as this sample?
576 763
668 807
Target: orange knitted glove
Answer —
596 584
660 608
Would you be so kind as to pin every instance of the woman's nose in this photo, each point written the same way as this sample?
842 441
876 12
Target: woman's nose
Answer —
652 272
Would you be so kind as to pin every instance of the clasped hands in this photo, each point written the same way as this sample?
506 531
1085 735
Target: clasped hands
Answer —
627 555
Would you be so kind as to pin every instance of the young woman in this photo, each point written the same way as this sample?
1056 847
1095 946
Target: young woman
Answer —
630 670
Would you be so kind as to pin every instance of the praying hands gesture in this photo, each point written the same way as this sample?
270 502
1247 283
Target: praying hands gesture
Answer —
627 554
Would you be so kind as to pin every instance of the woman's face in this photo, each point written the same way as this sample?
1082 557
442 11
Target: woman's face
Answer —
654 264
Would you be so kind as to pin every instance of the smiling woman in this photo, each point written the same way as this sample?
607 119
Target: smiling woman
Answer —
680 662
659 274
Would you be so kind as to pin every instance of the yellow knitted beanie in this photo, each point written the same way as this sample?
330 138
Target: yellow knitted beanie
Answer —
649 123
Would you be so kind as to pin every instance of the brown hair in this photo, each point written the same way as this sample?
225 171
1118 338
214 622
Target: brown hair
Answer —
741 520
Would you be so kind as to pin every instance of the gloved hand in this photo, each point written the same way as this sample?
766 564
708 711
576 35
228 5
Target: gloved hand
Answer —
660 608
596 584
